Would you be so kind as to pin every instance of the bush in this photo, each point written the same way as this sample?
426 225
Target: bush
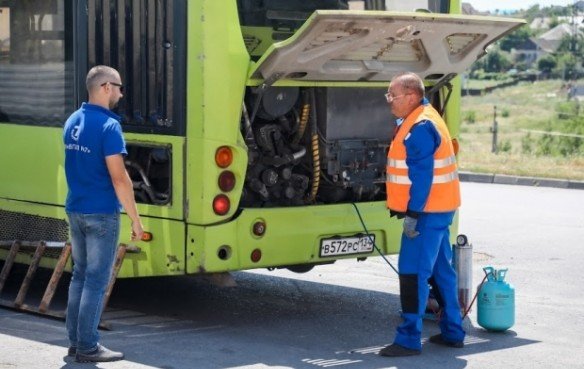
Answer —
564 146
470 117
504 146
526 144
505 113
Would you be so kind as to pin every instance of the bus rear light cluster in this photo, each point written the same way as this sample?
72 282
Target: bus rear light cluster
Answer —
226 181
221 204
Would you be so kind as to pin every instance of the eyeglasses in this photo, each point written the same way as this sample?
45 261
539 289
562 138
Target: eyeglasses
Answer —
390 98
119 85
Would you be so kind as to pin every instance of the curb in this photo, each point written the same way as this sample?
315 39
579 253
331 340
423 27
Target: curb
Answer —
521 181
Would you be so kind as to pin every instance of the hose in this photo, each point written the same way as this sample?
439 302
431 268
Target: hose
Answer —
304 115
315 150
372 241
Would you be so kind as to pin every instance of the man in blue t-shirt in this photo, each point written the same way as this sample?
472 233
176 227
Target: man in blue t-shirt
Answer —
98 186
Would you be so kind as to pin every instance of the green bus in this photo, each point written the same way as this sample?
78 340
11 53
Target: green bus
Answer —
255 128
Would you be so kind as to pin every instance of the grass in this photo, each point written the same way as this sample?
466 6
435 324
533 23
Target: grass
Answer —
525 106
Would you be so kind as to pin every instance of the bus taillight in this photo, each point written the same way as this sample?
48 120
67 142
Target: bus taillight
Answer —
223 157
226 181
221 204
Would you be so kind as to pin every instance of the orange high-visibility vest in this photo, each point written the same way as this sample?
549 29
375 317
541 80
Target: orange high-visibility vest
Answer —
444 193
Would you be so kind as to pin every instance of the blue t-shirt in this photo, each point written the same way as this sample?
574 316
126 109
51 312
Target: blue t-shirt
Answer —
90 134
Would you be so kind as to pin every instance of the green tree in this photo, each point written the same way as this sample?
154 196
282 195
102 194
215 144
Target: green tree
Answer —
546 63
566 67
495 61
515 39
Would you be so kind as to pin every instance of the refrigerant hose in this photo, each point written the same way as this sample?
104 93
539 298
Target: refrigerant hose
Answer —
371 239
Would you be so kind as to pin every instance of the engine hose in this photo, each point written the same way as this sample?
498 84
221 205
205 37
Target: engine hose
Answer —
304 115
315 167
315 149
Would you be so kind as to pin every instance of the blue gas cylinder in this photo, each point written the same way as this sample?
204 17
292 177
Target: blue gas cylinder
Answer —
496 301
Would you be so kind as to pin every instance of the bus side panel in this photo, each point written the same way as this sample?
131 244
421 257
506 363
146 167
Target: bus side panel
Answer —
162 256
32 166
34 170
217 63
292 236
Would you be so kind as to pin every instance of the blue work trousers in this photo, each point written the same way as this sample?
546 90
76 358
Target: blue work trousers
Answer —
94 240
429 254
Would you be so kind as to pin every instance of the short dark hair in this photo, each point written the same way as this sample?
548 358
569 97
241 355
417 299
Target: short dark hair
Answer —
98 75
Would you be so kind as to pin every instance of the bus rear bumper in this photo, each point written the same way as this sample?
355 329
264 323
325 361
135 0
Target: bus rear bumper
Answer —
291 236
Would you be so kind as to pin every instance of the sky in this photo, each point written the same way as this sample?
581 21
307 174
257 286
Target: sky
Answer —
491 5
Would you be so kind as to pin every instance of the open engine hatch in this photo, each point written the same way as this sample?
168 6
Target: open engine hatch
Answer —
336 45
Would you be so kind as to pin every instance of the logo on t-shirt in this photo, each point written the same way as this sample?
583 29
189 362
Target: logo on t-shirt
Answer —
75 133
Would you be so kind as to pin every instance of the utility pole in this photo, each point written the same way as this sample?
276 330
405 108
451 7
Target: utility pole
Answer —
494 130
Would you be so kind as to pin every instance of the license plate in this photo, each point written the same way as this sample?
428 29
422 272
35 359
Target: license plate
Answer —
346 245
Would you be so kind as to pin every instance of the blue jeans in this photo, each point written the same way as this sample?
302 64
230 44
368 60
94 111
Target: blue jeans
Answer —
94 240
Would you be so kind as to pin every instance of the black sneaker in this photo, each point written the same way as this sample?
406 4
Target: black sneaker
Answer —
395 350
437 339
72 351
100 354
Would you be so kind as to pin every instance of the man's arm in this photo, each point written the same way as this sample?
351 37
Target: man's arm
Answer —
125 192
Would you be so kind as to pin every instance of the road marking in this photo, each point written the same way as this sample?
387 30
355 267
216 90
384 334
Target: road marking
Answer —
325 363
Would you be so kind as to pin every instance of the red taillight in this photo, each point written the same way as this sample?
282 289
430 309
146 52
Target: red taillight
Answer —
256 255
223 157
221 204
226 181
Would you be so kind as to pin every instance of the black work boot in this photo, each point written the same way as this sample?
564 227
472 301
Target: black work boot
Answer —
395 350
439 340
100 354
72 351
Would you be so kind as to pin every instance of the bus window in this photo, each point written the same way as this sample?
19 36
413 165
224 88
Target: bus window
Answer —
36 64
145 41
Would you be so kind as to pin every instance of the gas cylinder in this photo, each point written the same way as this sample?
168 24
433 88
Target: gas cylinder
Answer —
496 301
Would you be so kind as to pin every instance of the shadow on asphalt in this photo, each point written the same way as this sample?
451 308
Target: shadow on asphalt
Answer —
266 321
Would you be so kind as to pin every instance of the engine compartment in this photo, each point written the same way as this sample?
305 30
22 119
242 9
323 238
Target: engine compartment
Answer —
315 145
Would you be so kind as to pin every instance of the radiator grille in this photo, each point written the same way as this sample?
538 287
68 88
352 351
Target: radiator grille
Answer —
26 227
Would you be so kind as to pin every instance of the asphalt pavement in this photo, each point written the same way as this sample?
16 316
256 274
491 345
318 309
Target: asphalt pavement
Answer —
340 315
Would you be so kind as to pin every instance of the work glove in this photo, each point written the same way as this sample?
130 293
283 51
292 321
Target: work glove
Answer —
410 227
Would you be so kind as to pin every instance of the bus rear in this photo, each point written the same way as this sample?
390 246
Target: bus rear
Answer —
257 130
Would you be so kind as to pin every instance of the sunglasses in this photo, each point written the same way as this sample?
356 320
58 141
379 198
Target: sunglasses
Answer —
119 85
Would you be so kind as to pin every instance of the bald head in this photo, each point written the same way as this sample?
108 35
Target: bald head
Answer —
99 75
409 83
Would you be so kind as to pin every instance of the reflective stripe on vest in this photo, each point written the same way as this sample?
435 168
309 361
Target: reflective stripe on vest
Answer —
444 192
441 163
444 178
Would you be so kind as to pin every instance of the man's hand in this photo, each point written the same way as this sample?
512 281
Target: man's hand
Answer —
410 227
137 231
